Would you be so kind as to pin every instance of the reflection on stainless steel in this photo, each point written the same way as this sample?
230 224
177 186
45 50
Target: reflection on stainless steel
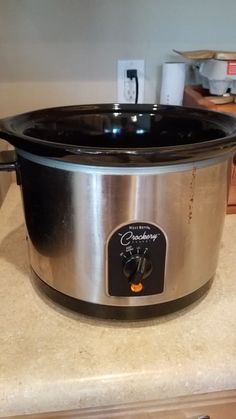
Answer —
71 211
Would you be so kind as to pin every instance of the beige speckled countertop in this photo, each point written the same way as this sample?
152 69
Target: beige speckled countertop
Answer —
53 359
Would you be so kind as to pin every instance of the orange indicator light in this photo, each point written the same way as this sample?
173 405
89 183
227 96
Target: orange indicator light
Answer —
136 287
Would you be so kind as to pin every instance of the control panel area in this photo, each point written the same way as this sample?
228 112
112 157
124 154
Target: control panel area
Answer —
136 255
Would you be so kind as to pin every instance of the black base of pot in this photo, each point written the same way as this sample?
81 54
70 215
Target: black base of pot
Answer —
118 312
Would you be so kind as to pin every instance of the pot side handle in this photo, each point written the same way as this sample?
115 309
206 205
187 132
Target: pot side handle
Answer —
9 163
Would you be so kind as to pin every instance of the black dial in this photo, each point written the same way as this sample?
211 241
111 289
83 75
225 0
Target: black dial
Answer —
137 268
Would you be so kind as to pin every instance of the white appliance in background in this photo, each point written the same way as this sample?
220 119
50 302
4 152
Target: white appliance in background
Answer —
172 86
215 70
218 76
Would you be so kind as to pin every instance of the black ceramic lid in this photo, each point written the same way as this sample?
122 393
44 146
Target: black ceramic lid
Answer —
114 134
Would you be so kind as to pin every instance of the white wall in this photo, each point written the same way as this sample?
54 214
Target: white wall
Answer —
55 52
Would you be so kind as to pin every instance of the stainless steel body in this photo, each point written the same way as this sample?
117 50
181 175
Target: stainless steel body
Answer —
124 204
71 211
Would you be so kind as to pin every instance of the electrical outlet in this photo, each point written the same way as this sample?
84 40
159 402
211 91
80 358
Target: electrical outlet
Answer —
126 88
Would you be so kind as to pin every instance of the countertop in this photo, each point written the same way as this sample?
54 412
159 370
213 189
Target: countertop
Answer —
54 359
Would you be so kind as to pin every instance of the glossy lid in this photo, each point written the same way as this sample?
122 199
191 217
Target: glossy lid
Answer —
122 134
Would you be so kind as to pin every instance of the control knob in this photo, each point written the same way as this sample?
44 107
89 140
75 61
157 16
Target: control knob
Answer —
137 268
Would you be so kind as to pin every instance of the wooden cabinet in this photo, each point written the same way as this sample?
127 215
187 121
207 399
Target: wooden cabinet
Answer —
232 192
195 96
218 405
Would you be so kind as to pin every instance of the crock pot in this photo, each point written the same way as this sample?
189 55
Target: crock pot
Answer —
124 204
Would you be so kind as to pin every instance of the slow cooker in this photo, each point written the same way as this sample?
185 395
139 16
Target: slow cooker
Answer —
124 204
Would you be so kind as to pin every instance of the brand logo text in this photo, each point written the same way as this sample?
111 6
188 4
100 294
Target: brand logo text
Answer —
129 237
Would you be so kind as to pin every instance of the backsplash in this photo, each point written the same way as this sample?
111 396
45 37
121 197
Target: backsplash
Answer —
65 51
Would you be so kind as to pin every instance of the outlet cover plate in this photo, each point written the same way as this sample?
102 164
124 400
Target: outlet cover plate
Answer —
126 87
